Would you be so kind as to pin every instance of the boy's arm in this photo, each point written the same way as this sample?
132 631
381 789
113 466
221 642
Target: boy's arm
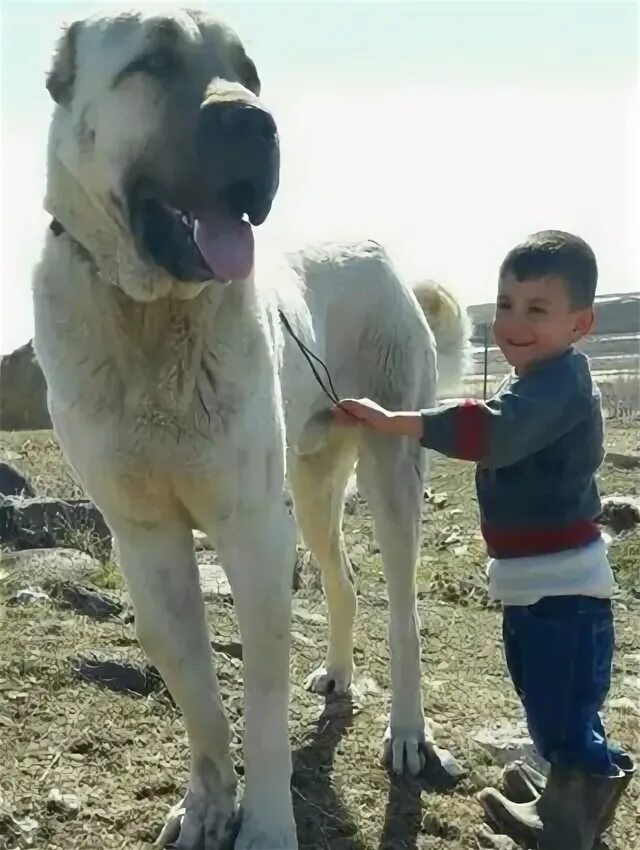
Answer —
363 411
537 411
509 428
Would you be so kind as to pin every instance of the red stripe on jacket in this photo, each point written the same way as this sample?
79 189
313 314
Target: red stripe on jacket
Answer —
471 426
514 542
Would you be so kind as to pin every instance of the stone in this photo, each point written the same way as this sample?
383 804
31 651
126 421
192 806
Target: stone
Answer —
620 513
23 392
213 579
232 649
42 567
622 461
13 482
116 674
28 596
301 612
448 763
201 541
86 600
494 841
509 743
23 830
44 522
66 805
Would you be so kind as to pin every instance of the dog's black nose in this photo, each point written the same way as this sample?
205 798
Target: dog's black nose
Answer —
239 156
241 121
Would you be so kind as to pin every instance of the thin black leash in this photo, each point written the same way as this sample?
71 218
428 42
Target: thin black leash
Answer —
330 392
57 229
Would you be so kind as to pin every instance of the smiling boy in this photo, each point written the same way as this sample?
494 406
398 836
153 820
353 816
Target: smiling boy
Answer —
538 444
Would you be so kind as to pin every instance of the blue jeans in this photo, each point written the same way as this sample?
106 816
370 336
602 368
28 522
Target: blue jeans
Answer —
559 653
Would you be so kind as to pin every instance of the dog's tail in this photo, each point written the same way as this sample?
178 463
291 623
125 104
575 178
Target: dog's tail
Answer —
451 328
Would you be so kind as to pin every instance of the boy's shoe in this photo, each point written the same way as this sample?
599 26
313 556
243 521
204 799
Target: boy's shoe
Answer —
567 815
522 783
520 821
628 766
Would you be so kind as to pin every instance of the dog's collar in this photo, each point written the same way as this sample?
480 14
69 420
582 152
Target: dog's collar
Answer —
59 229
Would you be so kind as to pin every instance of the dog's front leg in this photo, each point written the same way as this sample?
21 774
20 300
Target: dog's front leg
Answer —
258 551
163 581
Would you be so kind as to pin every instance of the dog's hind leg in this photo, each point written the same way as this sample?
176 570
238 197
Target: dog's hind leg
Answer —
390 476
163 581
318 482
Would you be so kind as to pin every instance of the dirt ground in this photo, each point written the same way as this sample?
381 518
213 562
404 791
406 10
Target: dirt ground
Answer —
125 757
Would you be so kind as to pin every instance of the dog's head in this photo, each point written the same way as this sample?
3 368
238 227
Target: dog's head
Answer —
160 147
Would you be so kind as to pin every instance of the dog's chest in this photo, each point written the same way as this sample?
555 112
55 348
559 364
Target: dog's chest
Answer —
148 377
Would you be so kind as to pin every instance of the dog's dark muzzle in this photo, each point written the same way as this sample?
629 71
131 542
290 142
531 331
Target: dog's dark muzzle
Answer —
202 230
239 157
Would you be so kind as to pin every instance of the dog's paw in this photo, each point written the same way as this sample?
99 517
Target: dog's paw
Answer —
329 680
415 752
405 748
198 825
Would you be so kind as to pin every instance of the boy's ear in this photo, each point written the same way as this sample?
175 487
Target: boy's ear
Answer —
585 322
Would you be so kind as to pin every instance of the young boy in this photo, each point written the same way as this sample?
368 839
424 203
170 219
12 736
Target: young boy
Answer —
538 444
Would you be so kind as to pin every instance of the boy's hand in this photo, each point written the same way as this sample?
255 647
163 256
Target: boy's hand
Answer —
352 412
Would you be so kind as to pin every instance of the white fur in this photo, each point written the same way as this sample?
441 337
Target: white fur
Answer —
451 326
180 407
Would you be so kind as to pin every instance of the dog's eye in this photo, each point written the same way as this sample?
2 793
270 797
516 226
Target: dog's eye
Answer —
159 63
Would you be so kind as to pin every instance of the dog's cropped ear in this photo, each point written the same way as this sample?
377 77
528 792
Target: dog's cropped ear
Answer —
250 76
61 77
247 70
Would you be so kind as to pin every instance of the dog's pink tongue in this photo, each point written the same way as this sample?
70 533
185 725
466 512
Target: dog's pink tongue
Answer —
226 245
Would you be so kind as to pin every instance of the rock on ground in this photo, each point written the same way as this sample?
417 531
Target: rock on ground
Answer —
41 567
13 482
44 522
23 392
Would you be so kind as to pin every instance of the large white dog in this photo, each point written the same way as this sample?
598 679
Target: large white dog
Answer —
180 399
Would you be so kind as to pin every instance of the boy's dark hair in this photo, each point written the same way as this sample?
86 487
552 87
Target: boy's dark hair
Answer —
554 252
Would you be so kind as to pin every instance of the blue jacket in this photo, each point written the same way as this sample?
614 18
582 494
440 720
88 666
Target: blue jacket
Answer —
538 444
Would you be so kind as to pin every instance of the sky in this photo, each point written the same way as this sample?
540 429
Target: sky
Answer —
447 131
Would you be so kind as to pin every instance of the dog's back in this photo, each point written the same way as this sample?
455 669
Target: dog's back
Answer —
368 326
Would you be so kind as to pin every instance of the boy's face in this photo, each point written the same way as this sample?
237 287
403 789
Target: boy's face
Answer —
535 320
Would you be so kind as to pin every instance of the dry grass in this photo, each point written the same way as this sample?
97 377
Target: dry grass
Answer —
125 757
